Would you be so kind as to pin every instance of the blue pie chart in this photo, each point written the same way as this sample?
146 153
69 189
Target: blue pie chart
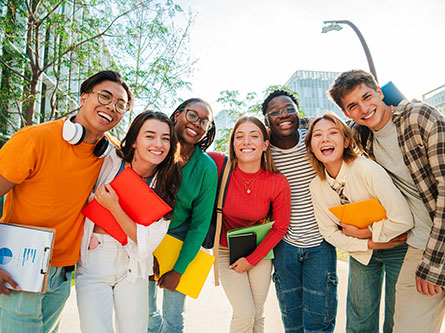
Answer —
5 255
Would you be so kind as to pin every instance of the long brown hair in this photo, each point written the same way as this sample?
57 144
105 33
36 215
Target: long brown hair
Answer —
349 154
266 158
168 172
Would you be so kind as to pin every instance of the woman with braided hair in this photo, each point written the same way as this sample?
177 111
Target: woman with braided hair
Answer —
195 129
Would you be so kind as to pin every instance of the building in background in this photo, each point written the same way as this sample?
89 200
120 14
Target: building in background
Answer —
224 124
312 87
436 98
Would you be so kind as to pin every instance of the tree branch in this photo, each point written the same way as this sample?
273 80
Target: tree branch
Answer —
75 46
9 121
13 70
40 21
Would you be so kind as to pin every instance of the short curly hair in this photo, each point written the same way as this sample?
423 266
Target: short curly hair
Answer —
277 93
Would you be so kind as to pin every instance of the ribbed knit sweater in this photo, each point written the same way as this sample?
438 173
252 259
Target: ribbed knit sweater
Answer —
242 209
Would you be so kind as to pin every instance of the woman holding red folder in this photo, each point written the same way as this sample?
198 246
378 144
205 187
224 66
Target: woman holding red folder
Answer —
344 177
255 186
110 275
195 128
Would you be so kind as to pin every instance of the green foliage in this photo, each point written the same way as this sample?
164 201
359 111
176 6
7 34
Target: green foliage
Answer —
236 107
49 47
155 59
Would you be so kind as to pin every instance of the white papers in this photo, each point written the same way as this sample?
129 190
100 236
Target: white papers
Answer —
24 254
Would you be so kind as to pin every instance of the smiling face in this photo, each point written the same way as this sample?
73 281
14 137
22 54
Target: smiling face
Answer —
249 144
328 144
366 107
152 143
188 132
284 123
98 118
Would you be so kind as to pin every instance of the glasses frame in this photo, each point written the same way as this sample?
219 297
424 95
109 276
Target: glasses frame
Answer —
112 100
278 112
201 120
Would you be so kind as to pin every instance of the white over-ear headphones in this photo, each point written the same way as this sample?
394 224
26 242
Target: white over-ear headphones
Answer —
74 133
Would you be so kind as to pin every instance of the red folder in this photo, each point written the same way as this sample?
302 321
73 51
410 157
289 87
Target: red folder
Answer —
136 198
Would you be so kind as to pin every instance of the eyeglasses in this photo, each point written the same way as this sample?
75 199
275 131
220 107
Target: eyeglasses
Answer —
286 111
192 117
105 98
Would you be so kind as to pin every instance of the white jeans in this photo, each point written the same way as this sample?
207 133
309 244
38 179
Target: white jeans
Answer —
103 284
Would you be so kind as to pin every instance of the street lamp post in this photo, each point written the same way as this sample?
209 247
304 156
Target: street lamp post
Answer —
335 25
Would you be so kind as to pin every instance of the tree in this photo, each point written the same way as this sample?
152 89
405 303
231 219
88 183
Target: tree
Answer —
237 107
44 39
153 51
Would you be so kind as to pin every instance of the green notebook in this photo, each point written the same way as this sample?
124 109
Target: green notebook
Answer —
261 231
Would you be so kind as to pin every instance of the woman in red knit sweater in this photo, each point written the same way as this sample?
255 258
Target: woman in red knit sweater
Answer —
255 185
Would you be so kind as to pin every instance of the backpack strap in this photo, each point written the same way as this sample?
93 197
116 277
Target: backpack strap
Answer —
221 197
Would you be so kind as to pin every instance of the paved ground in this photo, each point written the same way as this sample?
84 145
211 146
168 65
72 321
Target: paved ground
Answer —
212 312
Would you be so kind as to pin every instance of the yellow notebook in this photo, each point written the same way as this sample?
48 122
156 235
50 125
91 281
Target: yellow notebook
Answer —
197 271
361 213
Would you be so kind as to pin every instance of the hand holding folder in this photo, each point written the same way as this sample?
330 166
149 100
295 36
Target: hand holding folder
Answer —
25 253
196 273
361 213
241 245
137 200
261 231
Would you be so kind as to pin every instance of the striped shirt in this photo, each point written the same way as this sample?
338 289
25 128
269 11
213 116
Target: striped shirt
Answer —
294 165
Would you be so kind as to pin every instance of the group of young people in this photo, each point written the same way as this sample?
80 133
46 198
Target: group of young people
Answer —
288 169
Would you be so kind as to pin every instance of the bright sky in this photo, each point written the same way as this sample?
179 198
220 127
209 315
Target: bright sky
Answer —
248 45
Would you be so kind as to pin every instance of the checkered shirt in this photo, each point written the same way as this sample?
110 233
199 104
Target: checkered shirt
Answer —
421 137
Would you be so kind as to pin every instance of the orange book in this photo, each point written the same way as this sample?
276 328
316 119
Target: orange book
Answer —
360 213
136 198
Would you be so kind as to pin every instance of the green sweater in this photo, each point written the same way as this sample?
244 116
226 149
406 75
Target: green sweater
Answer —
194 205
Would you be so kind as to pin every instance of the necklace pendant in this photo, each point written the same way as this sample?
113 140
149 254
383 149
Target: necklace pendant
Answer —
248 191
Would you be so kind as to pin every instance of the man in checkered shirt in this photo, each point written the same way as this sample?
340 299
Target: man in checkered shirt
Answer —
409 142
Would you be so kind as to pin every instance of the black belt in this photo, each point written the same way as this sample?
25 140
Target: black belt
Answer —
69 268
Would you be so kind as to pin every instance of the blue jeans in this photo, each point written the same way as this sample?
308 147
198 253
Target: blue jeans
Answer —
365 289
172 318
306 285
23 312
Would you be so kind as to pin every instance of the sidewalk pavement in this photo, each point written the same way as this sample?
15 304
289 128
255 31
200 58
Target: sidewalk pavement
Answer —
211 312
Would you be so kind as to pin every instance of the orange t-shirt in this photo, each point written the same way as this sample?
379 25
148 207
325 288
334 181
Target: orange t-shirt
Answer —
53 180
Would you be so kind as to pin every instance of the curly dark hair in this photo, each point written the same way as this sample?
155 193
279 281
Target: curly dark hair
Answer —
208 138
277 93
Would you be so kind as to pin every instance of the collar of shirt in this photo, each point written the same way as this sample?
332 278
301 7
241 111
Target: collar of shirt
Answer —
340 180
